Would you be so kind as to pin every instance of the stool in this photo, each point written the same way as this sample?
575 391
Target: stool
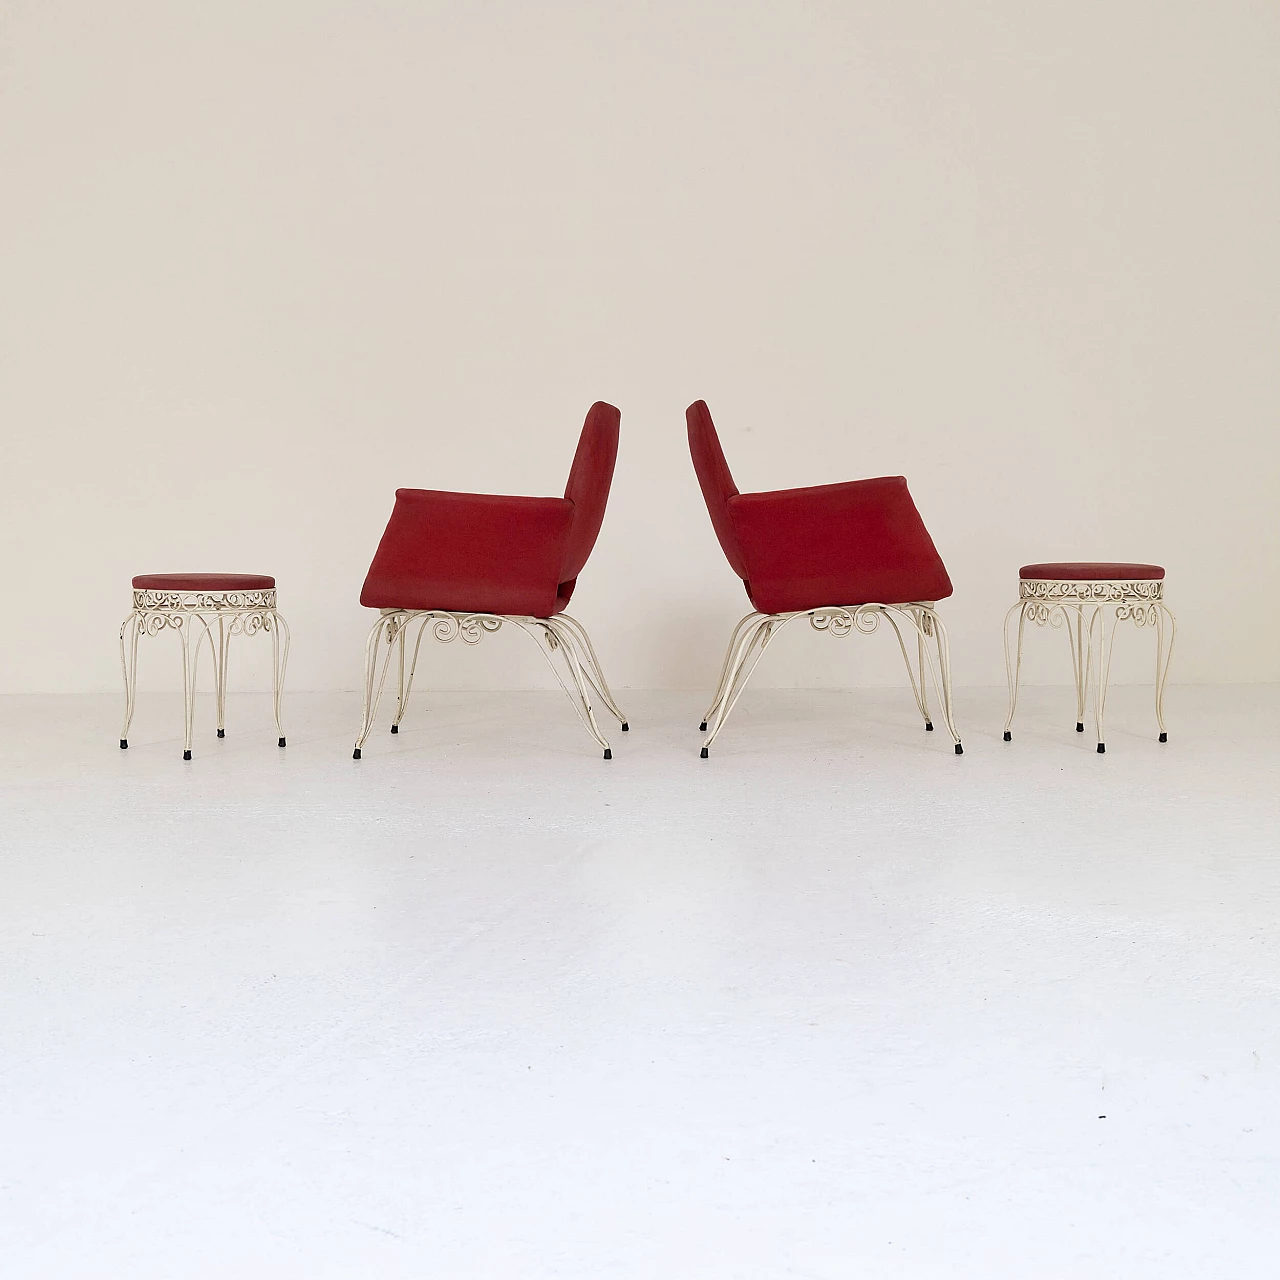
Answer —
242 604
1079 596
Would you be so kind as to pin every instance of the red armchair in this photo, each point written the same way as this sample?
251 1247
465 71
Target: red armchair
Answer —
842 555
465 563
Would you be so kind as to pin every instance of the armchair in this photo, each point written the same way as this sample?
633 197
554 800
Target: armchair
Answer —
465 563
842 555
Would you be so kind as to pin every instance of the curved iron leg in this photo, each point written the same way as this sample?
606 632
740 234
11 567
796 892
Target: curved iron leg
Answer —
220 676
280 660
590 662
574 687
391 624
1164 655
726 666
751 647
129 666
1079 665
942 672
1013 671
1101 648
918 686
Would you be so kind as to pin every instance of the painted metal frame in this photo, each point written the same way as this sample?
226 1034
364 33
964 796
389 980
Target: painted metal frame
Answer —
579 672
1081 608
753 634
237 613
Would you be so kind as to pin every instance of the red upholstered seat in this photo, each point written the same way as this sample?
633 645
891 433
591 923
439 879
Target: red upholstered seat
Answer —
862 542
487 553
1094 570
203 582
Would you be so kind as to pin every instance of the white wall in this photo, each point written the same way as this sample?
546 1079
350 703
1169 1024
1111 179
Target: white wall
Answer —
260 263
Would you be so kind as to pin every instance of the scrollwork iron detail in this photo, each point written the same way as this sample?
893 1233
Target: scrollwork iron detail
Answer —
470 628
564 637
200 618
1140 613
842 622
1052 590
204 601
1089 611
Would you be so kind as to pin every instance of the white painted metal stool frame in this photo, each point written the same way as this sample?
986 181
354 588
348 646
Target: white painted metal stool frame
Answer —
237 613
559 635
1080 606
753 633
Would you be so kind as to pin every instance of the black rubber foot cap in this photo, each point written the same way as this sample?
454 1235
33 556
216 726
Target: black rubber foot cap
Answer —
186 755
705 754
959 749
1164 737
395 728
124 744
928 726
608 753
1079 727
703 727
1008 737
626 728
222 733
355 755
280 743
1102 748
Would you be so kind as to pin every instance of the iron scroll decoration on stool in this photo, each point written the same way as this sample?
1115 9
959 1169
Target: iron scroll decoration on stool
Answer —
197 607
1078 597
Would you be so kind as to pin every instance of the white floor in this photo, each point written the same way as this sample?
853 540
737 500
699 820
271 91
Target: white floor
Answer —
834 1003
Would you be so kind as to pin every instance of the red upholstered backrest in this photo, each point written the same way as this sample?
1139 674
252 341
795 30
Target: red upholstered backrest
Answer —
715 479
589 481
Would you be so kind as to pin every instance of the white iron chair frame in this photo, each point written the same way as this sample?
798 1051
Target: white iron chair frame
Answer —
191 615
579 672
1081 607
753 634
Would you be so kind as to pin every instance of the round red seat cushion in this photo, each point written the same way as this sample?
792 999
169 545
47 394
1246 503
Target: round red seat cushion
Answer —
1096 570
203 582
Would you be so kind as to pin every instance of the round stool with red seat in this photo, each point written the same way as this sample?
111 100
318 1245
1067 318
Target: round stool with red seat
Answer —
199 607
1085 597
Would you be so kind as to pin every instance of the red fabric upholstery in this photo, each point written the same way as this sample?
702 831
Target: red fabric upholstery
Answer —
838 544
485 553
203 582
588 487
716 481
470 552
1095 570
862 542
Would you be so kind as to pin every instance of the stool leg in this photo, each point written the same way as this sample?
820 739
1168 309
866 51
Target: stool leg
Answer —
189 663
1165 624
220 676
1012 669
130 629
1078 663
1104 646
279 661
